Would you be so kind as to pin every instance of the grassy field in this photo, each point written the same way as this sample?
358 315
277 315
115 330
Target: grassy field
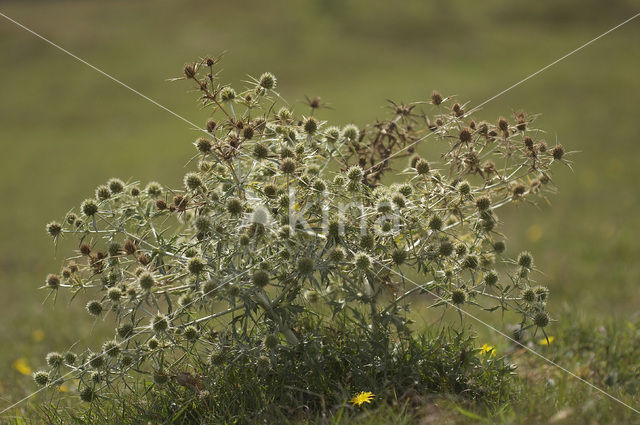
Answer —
64 129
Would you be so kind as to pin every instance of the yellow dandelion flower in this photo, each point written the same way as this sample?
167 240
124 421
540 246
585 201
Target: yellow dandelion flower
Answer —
488 349
362 397
37 335
546 341
22 366
534 233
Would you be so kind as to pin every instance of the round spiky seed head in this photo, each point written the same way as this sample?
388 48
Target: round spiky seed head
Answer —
399 256
503 124
204 145
445 249
211 125
189 70
542 293
153 343
71 218
541 319
422 166
435 223
405 189
134 191
94 308
483 203
153 189
465 135
528 295
126 361
319 185
339 180
114 249
499 247
70 358
367 241
196 265
247 133
260 278
202 224
185 300
53 281
355 174
332 134
464 188
491 278
115 185
102 193
362 261
336 255
218 357
387 226
271 341
129 247
350 132
55 359
146 281
89 207
41 377
311 125
525 260
125 330
191 333
227 94
267 81
160 323
54 229
209 288
244 240
399 200
288 166
458 296
114 294
96 361
470 262
234 206
161 204
436 98
260 151
528 142
87 394
306 265
192 181
111 348
557 152
461 249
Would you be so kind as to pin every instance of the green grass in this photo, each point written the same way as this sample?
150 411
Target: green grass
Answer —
65 129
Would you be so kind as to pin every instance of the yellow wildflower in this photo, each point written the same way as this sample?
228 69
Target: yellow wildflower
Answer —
546 341
362 397
22 366
486 348
37 335
534 233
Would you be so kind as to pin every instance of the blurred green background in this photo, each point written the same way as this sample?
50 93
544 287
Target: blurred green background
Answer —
64 128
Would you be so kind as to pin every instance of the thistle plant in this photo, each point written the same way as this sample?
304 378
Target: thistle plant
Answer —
289 233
